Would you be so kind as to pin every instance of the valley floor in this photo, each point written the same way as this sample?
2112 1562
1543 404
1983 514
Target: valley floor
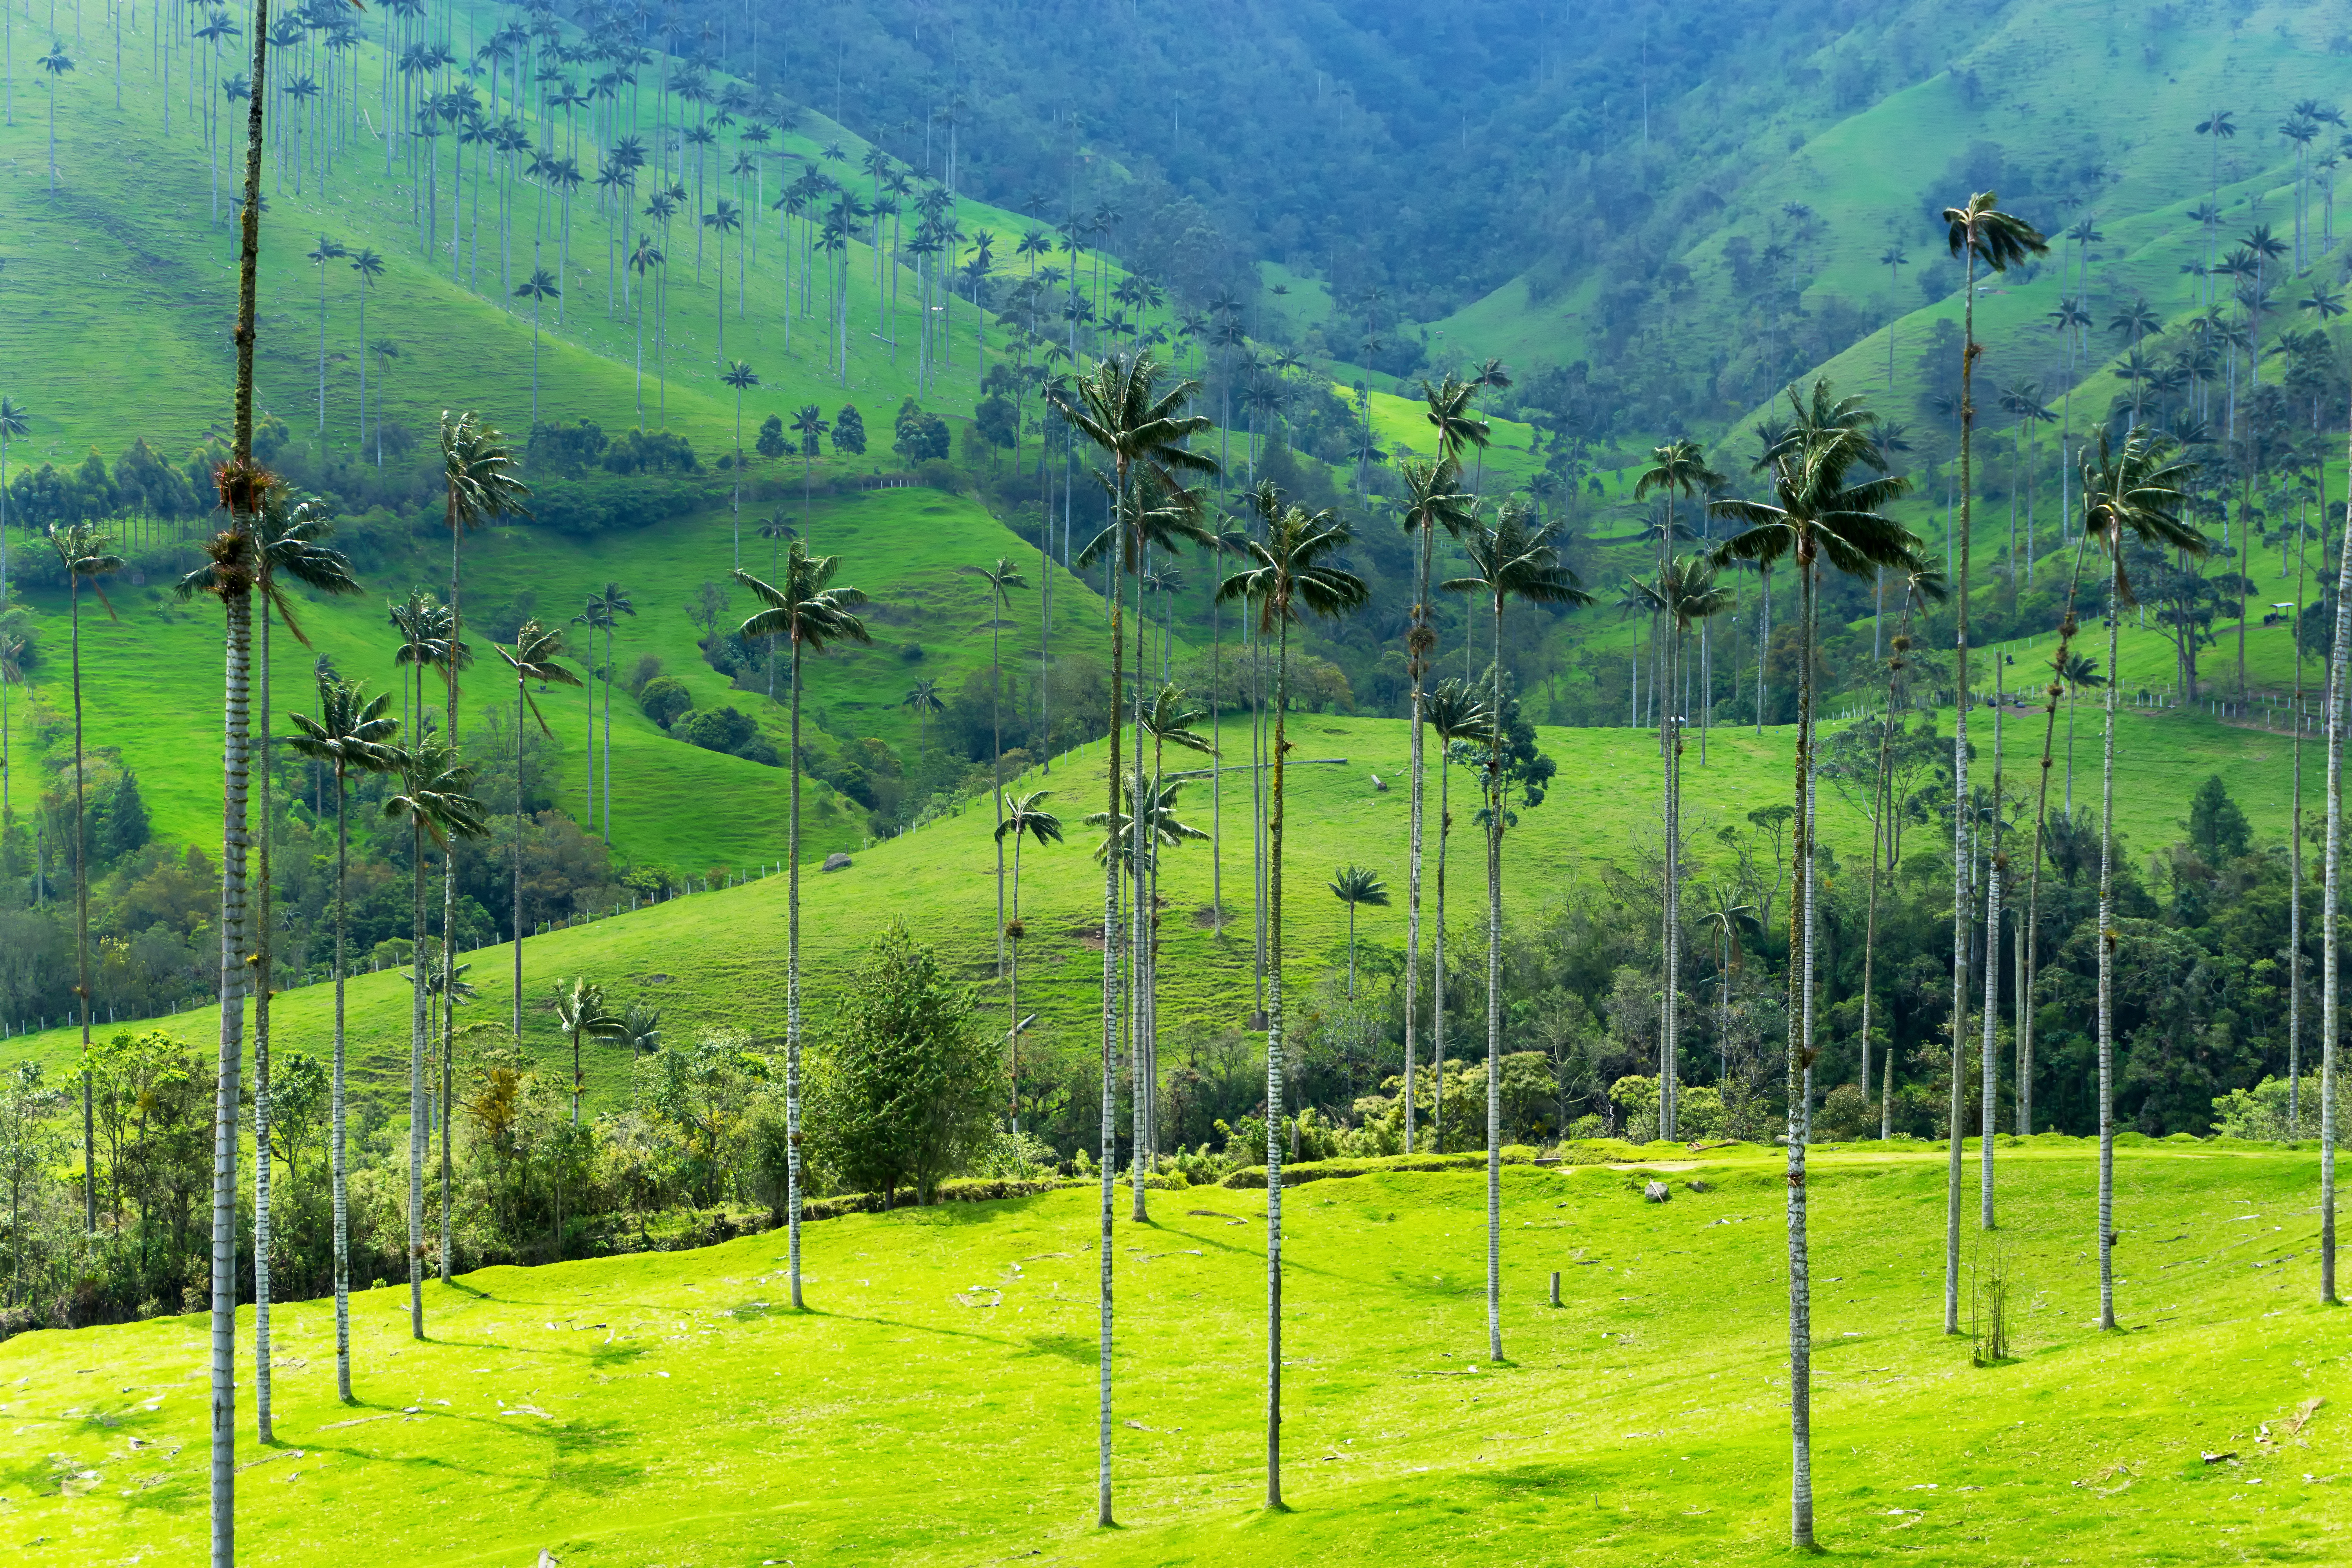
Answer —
936 1403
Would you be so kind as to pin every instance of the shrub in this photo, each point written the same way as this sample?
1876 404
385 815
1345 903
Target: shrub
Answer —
904 1081
2259 1114
650 452
664 697
726 729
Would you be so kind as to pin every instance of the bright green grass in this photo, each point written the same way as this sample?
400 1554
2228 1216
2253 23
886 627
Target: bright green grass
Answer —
151 679
936 1401
718 960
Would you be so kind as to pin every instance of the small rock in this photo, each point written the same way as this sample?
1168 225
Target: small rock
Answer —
1700 1186
1657 1191
836 861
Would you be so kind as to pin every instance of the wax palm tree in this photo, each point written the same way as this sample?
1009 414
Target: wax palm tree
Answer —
480 481
582 1012
611 601
810 425
1819 515
923 697
1434 500
540 285
1356 886
1457 715
435 799
81 551
1516 557
56 64
1024 817
641 1028
1684 595
2138 492
352 732
1121 406
533 658
742 378
810 615
1921 584
1977 230
1294 567
642 261
1002 579
325 251
369 267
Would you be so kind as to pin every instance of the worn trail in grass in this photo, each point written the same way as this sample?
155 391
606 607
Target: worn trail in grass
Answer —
936 1404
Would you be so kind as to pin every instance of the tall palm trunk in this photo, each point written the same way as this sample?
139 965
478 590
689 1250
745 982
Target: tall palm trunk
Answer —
449 1011
1989 1067
262 1228
241 493
2066 628
417 1145
1960 880
335 1110
1495 1002
2330 1021
1140 928
1800 945
81 926
2107 938
996 762
515 919
1416 654
1014 1040
793 990
1109 1166
1273 1075
1437 961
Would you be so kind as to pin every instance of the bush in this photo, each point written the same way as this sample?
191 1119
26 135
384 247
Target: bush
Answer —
726 729
904 1080
1845 1114
2259 1114
650 452
664 697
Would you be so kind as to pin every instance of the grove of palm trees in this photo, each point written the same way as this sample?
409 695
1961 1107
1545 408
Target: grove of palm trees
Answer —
1661 693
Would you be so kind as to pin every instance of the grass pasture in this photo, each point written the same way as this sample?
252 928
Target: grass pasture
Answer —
936 1404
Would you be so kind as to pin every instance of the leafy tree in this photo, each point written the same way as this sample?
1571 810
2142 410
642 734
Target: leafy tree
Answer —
352 733
904 1080
919 436
849 431
770 442
810 614
2217 829
664 698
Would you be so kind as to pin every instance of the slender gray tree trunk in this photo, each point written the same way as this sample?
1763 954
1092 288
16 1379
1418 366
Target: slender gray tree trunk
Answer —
793 990
2330 1018
1960 850
1417 660
1273 1075
1494 1004
2107 939
335 1139
1800 1306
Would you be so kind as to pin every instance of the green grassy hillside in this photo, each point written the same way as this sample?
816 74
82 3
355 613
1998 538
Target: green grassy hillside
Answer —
123 283
717 959
936 1402
674 805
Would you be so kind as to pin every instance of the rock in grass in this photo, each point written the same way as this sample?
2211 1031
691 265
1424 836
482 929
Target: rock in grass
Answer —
836 861
1656 1191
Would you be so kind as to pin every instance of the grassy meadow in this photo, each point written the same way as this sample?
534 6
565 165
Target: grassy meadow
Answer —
717 959
936 1403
